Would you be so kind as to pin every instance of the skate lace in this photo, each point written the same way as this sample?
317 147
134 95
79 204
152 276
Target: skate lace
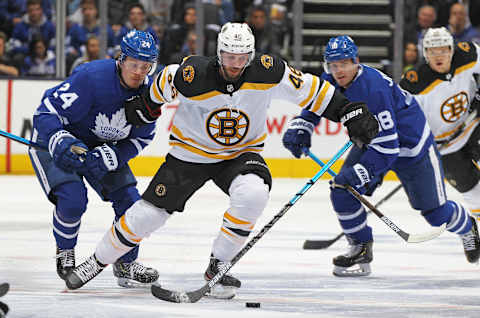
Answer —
137 269
88 270
469 241
67 257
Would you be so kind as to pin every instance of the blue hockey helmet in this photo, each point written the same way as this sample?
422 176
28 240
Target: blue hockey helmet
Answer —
140 45
339 48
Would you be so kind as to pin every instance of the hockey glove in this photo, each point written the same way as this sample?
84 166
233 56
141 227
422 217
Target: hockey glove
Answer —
356 176
141 110
475 104
361 124
66 150
100 161
298 135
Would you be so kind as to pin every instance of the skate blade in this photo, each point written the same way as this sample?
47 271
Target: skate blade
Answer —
222 292
356 270
130 283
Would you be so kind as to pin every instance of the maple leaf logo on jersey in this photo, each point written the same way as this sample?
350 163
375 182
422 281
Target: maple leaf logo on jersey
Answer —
112 130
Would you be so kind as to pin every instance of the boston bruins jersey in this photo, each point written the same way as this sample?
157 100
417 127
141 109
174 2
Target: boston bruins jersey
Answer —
445 98
219 120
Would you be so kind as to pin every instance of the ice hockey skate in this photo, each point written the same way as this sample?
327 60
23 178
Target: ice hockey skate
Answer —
226 288
471 243
65 262
356 262
134 275
84 272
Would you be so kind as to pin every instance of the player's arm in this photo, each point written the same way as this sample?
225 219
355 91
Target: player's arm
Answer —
145 108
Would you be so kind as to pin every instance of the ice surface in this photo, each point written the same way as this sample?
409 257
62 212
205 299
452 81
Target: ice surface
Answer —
431 279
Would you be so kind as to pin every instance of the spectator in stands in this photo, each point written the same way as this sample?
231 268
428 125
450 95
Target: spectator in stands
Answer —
79 32
176 35
188 48
33 24
92 52
40 61
7 66
137 20
459 26
265 39
410 56
11 12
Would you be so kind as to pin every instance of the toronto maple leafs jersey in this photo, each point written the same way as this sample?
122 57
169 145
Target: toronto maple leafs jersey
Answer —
404 134
89 104
219 120
445 98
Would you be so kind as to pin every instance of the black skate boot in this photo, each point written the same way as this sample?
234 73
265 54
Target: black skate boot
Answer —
226 287
84 272
356 262
65 262
471 243
3 310
134 274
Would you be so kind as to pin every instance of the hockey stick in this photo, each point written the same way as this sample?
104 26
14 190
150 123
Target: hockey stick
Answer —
22 140
407 237
322 244
196 295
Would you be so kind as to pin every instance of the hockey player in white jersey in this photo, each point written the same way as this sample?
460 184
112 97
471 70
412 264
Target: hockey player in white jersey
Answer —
218 131
446 87
404 144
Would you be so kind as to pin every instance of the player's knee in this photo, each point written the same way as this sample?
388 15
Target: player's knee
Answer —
343 201
71 201
439 215
143 218
249 194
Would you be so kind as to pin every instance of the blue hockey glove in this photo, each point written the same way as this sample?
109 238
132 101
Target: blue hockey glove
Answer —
356 176
66 150
299 133
100 161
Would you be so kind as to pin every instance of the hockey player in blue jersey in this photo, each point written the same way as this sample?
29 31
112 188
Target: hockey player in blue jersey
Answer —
404 144
82 122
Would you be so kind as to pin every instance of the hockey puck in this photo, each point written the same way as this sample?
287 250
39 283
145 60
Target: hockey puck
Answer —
252 305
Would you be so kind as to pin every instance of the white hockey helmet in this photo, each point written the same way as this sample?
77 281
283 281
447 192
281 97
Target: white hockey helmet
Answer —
437 37
236 38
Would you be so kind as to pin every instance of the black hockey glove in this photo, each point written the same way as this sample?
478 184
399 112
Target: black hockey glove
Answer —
141 110
475 104
361 124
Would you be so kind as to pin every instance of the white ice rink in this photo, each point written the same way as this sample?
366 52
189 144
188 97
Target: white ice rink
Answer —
431 279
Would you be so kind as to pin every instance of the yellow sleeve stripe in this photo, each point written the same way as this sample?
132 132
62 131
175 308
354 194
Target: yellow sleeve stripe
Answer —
465 67
321 96
313 88
211 155
157 94
430 87
180 136
205 95
233 219
164 76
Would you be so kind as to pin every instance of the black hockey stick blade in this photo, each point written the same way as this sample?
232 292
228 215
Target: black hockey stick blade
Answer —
320 244
179 297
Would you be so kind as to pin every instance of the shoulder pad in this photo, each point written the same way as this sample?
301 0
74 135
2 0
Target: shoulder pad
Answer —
265 69
194 76
465 53
417 79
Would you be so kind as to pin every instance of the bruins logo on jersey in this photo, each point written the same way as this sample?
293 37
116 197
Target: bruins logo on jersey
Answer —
454 107
188 73
267 61
411 76
227 126
464 46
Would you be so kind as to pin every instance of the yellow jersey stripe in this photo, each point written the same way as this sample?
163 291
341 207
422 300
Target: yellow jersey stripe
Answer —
205 95
465 67
256 86
312 91
210 155
430 87
321 96
164 75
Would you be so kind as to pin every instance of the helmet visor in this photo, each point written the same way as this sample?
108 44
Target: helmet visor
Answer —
137 66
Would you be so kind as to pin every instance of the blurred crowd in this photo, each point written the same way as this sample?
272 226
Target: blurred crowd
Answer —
461 18
27 30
